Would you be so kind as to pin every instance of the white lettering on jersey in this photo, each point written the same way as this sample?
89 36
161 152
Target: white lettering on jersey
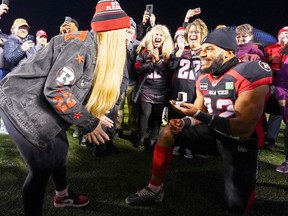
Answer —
222 92
224 105
186 72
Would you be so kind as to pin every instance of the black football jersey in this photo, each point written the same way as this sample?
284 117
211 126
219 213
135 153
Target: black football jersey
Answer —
185 75
220 94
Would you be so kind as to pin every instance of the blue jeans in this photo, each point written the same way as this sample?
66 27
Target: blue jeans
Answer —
3 73
273 127
41 165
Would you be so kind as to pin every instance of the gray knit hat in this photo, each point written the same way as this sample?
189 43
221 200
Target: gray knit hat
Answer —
133 24
222 37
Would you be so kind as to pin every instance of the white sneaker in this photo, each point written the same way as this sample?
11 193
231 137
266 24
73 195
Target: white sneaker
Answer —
188 153
3 128
176 150
76 133
4 132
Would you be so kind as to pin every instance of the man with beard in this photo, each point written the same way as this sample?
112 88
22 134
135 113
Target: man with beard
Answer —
230 103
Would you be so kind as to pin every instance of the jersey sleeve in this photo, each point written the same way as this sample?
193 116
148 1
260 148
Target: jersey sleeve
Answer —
250 75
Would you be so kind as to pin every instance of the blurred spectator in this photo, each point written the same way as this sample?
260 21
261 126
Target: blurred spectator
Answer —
3 66
41 39
69 25
3 37
275 59
281 94
18 46
132 44
246 49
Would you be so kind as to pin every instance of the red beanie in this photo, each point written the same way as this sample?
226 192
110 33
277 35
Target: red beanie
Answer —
180 31
284 29
109 16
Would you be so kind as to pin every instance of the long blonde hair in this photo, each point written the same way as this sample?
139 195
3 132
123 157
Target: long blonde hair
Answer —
108 74
147 41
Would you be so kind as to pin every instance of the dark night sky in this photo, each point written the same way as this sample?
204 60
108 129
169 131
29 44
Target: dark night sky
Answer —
49 14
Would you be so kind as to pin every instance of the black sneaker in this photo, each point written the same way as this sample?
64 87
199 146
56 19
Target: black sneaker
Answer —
144 196
73 200
269 144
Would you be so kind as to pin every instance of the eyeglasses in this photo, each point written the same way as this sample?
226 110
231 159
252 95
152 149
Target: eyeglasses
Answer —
193 32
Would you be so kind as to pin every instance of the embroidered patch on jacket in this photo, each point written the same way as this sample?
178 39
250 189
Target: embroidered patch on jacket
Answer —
65 76
77 115
64 101
80 35
80 59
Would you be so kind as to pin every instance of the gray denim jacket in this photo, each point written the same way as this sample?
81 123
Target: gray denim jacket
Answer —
45 94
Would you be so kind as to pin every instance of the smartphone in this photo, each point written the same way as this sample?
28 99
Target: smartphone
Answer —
5 2
149 8
30 37
196 11
68 19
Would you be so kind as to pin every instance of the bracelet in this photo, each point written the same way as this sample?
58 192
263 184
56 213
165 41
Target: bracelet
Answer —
196 114
203 117
219 124
188 121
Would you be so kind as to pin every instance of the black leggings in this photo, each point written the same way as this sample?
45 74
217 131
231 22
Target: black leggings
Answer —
152 114
42 165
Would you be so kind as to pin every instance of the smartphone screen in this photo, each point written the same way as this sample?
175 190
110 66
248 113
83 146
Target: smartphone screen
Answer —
5 2
30 37
197 10
149 8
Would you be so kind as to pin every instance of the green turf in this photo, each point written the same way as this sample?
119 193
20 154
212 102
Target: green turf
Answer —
192 187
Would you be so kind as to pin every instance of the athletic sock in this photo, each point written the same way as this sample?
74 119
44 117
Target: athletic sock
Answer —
62 193
154 188
161 159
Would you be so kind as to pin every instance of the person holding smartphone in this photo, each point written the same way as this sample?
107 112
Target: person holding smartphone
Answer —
148 22
3 9
191 13
17 49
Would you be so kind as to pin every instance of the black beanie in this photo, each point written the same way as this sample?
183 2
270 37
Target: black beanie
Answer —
223 38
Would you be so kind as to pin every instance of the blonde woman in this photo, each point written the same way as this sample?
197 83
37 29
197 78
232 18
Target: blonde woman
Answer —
40 100
153 54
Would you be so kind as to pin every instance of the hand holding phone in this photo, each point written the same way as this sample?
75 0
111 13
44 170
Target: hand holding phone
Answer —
149 8
4 7
5 2
195 11
30 38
